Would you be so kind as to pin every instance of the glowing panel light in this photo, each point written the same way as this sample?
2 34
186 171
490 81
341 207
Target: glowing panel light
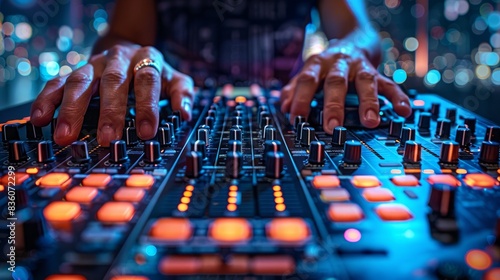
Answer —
352 235
422 52
399 76
432 77
478 259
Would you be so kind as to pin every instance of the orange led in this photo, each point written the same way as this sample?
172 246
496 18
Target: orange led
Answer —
493 274
61 211
233 188
429 171
185 200
280 207
233 194
446 179
365 181
478 259
396 171
54 180
240 99
378 194
461 171
278 194
232 200
116 212
189 188
129 194
65 277
144 181
2 188
279 200
182 207
216 99
288 230
405 181
480 180
18 179
231 207
32 170
171 229
276 188
81 194
335 195
230 230
393 212
187 194
325 181
96 180
418 102
129 277
498 170
180 265
273 265
345 212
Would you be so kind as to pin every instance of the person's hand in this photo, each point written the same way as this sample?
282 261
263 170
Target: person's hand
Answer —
110 75
338 65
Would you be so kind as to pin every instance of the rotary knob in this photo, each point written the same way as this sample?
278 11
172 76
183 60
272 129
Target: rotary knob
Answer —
80 152
339 136
10 133
352 152
235 146
443 128
470 123
165 136
33 132
442 200
200 146
235 134
265 121
308 135
170 126
194 164
270 133
118 151
238 113
489 152
237 121
234 163
212 113
424 121
435 110
209 121
17 151
271 146
262 115
202 134
317 152
407 134
130 136
298 135
463 137
45 152
492 134
451 114
298 120
449 152
412 153
395 127
152 152
274 164
175 121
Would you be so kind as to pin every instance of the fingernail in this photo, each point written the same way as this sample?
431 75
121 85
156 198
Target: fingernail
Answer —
333 123
370 115
37 114
106 134
62 130
146 130
403 103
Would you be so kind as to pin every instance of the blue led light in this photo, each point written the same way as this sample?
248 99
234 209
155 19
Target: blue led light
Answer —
432 77
150 250
399 76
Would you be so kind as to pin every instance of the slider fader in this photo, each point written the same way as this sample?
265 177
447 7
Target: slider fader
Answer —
241 193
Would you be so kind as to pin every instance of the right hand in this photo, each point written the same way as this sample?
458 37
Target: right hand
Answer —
110 74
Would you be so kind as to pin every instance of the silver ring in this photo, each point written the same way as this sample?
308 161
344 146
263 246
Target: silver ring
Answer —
147 62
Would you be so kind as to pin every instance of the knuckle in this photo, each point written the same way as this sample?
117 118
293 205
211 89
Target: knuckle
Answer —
117 50
315 58
366 75
340 56
114 77
334 107
78 78
335 79
307 77
147 76
147 108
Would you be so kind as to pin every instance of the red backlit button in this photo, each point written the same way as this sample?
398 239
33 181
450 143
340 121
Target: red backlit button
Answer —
345 212
144 181
479 180
272 265
325 181
493 274
231 230
180 265
65 277
96 180
82 194
478 259
365 181
61 211
129 194
18 179
129 277
393 212
405 181
171 229
54 180
446 179
337 194
378 195
116 212
288 230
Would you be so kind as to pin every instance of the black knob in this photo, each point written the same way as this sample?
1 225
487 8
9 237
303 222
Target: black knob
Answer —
265 121
407 134
395 127
17 151
442 200
194 164
449 152
210 122
130 123
443 128
118 151
272 146
165 136
497 231
262 115
130 136
463 137
200 146
274 164
45 152
178 114
489 152
238 113
237 121
424 121
412 153
263 108
317 152
235 134
10 133
175 121
170 126
470 123
300 127
352 152
34 227
79 152
234 163
451 114
33 132
212 113
339 136
492 134
435 110
202 134
308 135
298 120
270 133
235 145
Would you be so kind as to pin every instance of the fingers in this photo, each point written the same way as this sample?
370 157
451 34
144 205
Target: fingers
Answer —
286 96
393 92
366 86
181 93
77 94
335 89
47 101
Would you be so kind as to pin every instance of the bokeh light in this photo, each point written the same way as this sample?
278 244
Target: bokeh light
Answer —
399 76
411 44
483 72
23 31
432 77
352 235
24 67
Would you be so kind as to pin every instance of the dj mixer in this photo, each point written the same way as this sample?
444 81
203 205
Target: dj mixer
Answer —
239 192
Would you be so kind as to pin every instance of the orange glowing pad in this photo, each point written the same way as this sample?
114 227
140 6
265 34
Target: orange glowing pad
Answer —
96 180
365 181
378 195
446 179
61 211
272 265
405 181
65 277
231 230
493 274
180 265
129 194
478 259
54 180
116 212
171 229
393 212
345 212
288 230
144 181
338 194
479 180
82 194
18 179
129 277
325 181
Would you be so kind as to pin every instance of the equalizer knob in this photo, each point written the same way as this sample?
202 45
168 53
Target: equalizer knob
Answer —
298 120
443 128
165 136
238 113
194 164
130 136
424 121
470 123
407 134
272 146
489 152
449 152
339 136
17 151
45 152
442 200
412 153
79 152
118 151
170 126
235 134
235 145
152 152
270 133
237 121
200 146
10 133
395 127
317 152
202 134
308 135
175 121
33 132
435 110
274 164
451 114
234 163
265 121
492 134
210 122
212 113
262 115
300 127
463 137
352 152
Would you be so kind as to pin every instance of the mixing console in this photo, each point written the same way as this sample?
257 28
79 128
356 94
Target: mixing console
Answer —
240 193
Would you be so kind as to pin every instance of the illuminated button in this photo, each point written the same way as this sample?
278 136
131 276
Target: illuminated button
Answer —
231 229
65 277
61 211
54 180
116 212
478 259
325 181
272 265
129 194
96 180
32 170
82 194
171 229
140 181
480 180
446 179
129 277
338 194
365 181
405 181
493 274
288 230
18 179
180 265
378 194
345 212
393 212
